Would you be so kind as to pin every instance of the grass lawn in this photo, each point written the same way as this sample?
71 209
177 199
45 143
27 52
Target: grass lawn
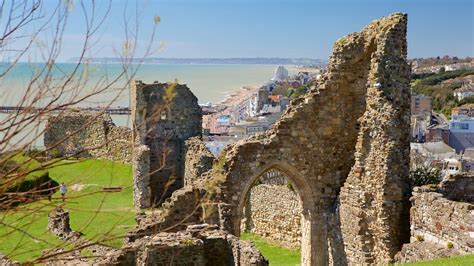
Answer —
276 255
454 261
100 216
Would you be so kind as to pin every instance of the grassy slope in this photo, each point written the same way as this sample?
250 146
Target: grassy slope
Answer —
275 254
96 214
92 212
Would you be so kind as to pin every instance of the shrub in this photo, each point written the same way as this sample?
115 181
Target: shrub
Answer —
450 245
419 238
424 175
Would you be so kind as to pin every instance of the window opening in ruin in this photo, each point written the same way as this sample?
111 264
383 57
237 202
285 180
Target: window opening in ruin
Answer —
273 210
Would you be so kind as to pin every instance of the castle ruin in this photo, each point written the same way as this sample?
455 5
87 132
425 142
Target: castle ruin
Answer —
344 145
85 134
338 158
164 116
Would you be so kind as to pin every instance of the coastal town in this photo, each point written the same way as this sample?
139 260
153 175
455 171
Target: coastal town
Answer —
245 133
444 139
440 142
254 109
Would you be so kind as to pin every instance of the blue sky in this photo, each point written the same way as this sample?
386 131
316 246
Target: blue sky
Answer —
276 28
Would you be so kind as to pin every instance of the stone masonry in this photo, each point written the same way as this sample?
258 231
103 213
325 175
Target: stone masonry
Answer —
441 220
87 134
58 224
363 100
164 116
197 159
273 210
199 244
360 107
372 200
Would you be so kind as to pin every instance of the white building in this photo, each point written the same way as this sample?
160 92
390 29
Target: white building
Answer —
464 92
461 124
451 67
461 132
433 150
280 74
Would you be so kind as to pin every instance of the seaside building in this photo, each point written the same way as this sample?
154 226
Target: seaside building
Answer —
251 127
281 74
433 151
453 166
216 144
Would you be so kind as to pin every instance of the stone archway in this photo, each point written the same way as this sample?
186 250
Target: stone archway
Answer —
346 136
302 189
344 144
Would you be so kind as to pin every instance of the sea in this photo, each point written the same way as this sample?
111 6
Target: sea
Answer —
210 83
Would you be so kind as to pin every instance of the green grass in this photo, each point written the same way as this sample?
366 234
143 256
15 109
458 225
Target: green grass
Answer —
98 215
275 254
453 261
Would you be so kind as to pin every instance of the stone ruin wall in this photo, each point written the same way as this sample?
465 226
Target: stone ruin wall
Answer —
352 204
197 160
196 245
373 200
88 134
164 116
361 107
273 210
442 220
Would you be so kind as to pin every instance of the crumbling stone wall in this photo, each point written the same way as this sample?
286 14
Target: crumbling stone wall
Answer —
438 218
459 187
197 159
372 199
361 107
164 116
197 245
88 134
58 224
441 220
274 212
364 93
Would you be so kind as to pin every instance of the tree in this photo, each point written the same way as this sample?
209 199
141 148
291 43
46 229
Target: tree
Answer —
34 30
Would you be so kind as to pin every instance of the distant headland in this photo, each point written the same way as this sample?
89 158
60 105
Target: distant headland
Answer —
255 61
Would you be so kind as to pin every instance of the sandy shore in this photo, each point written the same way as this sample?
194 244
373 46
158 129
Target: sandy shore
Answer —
238 96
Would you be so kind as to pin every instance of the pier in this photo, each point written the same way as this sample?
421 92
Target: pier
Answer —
108 110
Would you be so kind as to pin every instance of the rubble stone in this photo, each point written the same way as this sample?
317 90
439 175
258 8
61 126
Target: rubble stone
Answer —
87 134
441 220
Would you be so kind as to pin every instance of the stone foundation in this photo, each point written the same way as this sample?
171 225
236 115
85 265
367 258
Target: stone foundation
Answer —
197 245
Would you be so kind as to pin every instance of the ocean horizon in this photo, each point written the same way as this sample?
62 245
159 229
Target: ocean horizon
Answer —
209 82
